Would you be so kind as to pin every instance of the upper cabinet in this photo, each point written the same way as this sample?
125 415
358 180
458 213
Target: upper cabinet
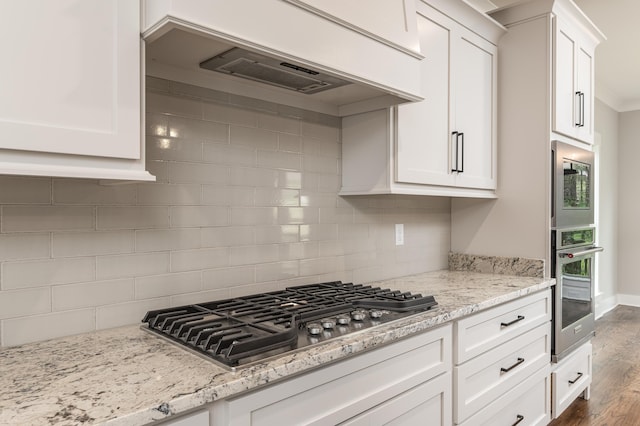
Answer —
334 57
573 60
71 89
445 144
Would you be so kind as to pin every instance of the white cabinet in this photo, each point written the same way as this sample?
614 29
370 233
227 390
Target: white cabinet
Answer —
573 59
495 353
446 144
71 89
199 418
570 378
397 384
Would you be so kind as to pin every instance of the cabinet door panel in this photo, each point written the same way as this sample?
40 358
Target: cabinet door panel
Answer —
564 117
72 83
423 127
584 83
474 87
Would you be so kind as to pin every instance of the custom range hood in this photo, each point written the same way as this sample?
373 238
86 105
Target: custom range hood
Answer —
337 61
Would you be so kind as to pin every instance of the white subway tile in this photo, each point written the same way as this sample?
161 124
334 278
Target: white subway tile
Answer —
156 124
197 173
127 313
197 216
228 277
277 271
320 147
172 194
189 128
213 195
36 273
294 251
33 218
354 231
85 295
35 328
227 114
319 131
254 138
199 297
132 217
24 246
81 191
247 255
176 105
166 239
242 176
20 303
23 190
247 290
329 183
277 197
159 169
172 149
318 199
279 160
298 215
318 232
168 284
277 234
192 260
290 180
318 164
226 236
336 215
289 143
132 265
279 124
254 216
226 154
318 266
68 244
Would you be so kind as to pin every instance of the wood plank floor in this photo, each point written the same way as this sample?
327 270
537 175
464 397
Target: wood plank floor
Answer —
615 388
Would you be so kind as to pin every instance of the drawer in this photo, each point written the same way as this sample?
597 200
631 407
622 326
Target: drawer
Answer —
570 378
485 378
486 330
528 404
340 391
431 400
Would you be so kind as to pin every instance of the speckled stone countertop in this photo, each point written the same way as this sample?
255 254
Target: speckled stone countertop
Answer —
126 376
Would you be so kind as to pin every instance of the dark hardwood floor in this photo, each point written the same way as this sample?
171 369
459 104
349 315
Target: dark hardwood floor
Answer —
615 387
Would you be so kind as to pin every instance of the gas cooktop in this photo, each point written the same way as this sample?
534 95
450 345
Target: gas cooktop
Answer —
240 331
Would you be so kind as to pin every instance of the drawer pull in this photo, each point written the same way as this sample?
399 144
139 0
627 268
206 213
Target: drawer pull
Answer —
520 418
507 324
576 379
506 370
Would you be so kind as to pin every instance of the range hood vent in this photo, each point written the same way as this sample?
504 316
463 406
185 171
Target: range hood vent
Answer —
253 66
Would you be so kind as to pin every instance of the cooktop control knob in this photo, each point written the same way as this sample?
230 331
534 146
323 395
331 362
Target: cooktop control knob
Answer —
314 328
375 313
343 319
328 323
358 315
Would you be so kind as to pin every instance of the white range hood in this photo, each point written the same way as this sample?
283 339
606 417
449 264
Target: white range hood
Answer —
335 65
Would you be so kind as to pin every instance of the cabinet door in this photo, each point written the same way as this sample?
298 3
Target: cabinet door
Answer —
475 63
71 77
423 142
584 85
565 113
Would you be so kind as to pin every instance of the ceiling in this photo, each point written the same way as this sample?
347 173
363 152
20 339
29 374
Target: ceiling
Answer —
617 58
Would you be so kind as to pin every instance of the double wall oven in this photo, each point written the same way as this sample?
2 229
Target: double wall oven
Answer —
573 248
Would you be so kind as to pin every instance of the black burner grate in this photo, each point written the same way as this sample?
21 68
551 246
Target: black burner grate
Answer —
231 330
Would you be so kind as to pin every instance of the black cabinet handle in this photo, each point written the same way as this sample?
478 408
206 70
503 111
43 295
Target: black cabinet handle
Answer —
518 362
455 135
576 117
520 418
461 169
576 379
581 109
507 324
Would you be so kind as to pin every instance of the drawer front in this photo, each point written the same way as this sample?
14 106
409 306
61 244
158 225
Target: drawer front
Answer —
431 400
570 378
483 379
528 404
486 330
341 391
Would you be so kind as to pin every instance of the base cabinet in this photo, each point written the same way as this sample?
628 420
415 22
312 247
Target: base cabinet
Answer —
570 378
399 383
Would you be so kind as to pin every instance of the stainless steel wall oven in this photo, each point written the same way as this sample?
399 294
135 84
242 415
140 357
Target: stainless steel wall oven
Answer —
572 200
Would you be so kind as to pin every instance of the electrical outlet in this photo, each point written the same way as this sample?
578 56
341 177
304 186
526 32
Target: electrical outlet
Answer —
399 234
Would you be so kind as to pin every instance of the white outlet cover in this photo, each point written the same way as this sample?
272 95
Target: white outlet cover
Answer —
399 234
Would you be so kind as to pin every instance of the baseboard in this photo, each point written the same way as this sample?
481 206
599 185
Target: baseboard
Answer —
629 299
605 305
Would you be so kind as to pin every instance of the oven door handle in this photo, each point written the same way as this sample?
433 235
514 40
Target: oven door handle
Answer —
571 255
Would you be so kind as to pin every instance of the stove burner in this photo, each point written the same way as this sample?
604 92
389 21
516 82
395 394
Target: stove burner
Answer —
244 330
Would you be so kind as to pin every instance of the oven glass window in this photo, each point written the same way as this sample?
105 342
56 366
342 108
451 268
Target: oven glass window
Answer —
577 181
576 284
576 237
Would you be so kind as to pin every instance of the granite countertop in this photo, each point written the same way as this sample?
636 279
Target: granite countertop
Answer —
126 376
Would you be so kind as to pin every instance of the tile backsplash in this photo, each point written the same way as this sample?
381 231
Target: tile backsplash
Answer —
246 200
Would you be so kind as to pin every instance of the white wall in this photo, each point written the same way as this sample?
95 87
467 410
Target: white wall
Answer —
606 124
629 209
246 201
